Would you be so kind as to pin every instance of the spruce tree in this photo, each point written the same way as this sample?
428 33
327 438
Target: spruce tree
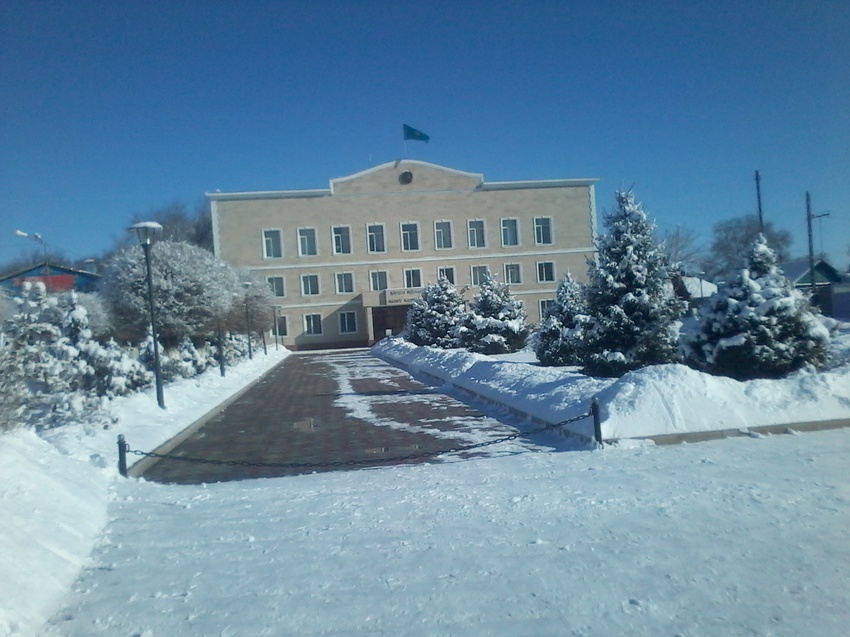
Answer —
496 323
757 325
631 311
435 315
557 341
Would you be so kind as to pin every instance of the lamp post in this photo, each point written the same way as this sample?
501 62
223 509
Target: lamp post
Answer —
146 231
37 237
248 321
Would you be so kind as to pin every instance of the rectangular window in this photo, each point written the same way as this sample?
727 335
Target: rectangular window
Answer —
378 281
347 322
542 230
307 242
443 235
282 326
309 284
272 244
513 274
276 285
448 273
413 278
375 233
476 233
410 236
478 273
342 240
344 283
545 271
313 323
510 232
545 304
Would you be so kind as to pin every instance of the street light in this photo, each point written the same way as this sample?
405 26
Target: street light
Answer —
37 237
146 231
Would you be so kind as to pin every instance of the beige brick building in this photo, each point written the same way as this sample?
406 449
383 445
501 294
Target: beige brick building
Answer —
346 262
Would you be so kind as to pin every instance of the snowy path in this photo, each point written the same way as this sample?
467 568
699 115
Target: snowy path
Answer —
727 538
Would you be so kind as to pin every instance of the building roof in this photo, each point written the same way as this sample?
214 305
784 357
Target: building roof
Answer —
344 185
797 272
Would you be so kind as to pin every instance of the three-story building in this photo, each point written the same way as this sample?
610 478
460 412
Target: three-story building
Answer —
345 263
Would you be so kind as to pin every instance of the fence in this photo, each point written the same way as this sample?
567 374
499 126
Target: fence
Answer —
124 449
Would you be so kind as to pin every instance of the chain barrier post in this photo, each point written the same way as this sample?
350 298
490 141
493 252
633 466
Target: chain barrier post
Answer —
597 421
122 456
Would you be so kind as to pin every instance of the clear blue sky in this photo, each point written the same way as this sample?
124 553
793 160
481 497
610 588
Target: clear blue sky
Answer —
113 107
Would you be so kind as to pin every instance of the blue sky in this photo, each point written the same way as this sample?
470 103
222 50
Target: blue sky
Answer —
116 107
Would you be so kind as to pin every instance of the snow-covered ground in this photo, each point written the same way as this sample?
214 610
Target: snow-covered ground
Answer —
745 536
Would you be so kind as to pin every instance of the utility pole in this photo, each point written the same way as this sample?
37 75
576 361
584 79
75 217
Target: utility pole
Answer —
758 197
809 217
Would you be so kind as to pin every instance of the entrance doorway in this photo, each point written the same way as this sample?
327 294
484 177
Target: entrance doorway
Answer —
391 317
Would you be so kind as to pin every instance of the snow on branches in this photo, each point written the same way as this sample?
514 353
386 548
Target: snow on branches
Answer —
757 325
631 319
496 323
435 316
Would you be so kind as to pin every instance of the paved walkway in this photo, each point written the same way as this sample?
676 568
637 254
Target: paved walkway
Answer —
326 408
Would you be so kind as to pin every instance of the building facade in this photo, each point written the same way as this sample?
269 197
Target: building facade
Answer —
345 263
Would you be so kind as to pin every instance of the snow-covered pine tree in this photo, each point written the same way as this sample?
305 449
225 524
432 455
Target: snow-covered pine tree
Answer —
558 339
758 325
435 316
496 322
631 312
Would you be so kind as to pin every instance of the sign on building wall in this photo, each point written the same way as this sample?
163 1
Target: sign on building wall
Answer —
406 296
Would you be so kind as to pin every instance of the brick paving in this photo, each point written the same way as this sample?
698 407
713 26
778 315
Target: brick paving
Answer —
292 416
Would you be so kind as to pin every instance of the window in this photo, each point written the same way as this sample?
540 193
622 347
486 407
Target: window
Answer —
545 304
375 232
510 232
307 242
443 235
309 284
342 240
542 230
276 285
476 233
313 323
344 283
378 281
281 326
545 271
513 274
413 278
410 236
347 322
478 273
448 272
272 245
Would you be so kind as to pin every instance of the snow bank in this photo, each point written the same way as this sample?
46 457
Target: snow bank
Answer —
52 507
54 488
654 401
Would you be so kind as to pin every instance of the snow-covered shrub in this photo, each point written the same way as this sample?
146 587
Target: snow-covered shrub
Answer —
558 341
631 315
193 290
100 319
434 317
46 377
115 372
496 322
758 325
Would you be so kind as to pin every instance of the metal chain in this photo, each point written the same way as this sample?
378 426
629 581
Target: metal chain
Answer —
354 463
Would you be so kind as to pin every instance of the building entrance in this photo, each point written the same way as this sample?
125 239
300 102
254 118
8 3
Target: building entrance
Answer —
392 317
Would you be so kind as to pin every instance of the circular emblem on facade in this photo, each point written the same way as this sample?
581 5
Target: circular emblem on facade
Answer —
405 178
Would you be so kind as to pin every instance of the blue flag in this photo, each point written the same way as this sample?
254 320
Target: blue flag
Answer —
412 133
